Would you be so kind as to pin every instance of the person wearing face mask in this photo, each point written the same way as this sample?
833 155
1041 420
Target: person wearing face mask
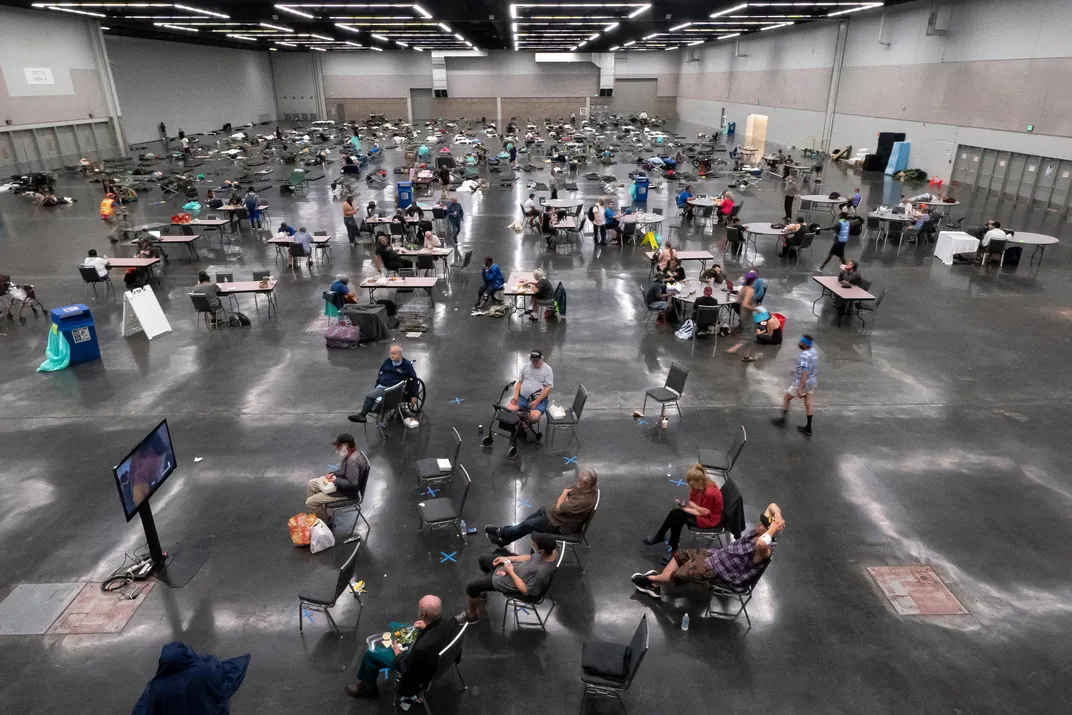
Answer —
805 380
395 369
349 478
738 564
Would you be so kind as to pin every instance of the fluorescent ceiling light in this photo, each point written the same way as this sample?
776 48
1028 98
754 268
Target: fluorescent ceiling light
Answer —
693 44
176 27
513 11
639 10
573 49
720 13
352 44
445 27
276 27
292 11
75 12
242 37
611 26
855 9
191 9
422 11
680 27
616 47
726 37
419 49
273 49
381 38
318 49
346 27
630 43
286 44
672 47
460 38
775 27
378 49
654 34
593 36
105 27
322 37
513 27
401 44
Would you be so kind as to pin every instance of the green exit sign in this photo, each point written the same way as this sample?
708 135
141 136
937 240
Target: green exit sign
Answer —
1030 127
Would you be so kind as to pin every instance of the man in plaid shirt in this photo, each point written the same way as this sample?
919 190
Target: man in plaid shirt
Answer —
737 564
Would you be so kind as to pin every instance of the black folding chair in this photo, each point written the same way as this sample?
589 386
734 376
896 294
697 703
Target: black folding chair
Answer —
670 392
324 598
722 460
429 471
442 511
595 654
572 417
742 594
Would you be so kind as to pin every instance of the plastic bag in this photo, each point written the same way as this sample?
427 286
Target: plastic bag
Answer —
320 537
58 352
300 526
685 331
192 207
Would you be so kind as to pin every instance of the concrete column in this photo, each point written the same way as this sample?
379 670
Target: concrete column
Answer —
835 84
104 72
498 114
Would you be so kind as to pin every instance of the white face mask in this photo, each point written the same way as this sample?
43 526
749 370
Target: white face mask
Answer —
342 452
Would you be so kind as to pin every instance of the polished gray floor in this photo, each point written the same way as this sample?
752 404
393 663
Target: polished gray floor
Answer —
940 438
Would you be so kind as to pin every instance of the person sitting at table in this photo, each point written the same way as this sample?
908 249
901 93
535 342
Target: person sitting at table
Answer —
395 369
768 327
706 300
370 209
674 271
993 231
683 201
912 232
100 263
714 274
531 211
206 287
416 665
213 201
847 278
792 235
656 297
544 291
852 202
399 217
493 282
905 206
389 258
610 219
285 230
234 198
341 287
302 247
736 564
431 240
702 510
725 207
663 255
515 576
414 213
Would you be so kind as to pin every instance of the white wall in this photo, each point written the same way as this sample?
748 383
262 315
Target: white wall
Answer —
188 87
294 75
1000 67
63 44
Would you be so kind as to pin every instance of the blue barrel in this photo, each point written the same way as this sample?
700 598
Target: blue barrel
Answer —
78 327
405 194
640 185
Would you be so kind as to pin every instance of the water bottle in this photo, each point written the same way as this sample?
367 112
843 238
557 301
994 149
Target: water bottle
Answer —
463 529
480 429
685 622
669 470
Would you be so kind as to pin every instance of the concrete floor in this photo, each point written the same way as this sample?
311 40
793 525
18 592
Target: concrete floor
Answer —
939 439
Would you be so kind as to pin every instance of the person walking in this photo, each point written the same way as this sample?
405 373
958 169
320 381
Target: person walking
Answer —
841 239
599 224
805 380
349 219
747 305
454 218
163 134
791 191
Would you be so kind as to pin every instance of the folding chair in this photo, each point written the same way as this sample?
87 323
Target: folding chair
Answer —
722 461
533 601
388 408
442 511
429 470
731 502
572 541
451 655
572 417
323 599
355 504
670 392
298 181
743 594
205 312
91 278
600 652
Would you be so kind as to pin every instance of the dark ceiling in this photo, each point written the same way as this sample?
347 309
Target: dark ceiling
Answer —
451 24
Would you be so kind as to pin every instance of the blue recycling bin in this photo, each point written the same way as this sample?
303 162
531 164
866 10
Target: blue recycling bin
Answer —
640 186
731 129
405 194
78 327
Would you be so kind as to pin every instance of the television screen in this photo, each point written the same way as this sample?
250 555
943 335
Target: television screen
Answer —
142 472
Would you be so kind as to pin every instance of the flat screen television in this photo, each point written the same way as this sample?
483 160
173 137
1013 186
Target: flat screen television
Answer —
145 469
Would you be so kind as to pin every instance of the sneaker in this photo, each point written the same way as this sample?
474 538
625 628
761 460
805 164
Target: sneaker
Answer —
492 532
778 421
637 414
357 418
653 540
539 437
361 691
464 617
804 429
818 269
644 585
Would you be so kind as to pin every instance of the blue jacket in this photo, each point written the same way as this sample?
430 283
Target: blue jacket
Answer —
389 375
454 211
339 287
190 684
493 278
683 199
289 230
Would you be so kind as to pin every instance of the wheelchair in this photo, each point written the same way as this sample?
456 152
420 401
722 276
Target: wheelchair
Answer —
510 424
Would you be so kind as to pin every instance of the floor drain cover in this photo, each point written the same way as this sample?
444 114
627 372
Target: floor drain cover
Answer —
916 591
95 611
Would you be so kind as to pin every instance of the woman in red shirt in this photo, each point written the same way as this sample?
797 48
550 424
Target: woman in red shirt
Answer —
725 207
703 509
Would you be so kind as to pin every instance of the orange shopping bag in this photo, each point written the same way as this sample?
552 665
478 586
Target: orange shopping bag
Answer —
300 525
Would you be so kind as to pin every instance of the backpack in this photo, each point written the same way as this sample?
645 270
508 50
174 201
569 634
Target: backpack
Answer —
342 334
591 213
856 226
834 195
781 319
243 319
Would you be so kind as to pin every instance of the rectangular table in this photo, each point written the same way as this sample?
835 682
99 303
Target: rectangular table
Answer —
187 241
424 283
832 287
147 263
511 289
208 224
437 254
951 243
241 287
321 243
702 256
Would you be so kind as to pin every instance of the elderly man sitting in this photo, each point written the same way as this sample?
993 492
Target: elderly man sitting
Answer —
737 564
347 481
395 369
516 576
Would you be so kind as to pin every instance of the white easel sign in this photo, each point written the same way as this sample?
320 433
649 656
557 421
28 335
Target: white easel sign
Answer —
39 75
142 314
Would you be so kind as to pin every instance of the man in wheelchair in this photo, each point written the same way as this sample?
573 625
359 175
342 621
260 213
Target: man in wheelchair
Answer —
531 390
395 369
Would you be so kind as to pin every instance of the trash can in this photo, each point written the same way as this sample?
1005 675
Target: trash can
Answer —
731 129
640 185
78 327
405 194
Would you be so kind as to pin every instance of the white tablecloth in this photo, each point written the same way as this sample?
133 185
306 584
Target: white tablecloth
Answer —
951 243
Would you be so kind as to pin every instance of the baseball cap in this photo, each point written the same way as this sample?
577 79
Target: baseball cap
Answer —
536 355
343 438
751 274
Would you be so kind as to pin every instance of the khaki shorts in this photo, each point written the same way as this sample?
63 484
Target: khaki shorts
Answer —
792 389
